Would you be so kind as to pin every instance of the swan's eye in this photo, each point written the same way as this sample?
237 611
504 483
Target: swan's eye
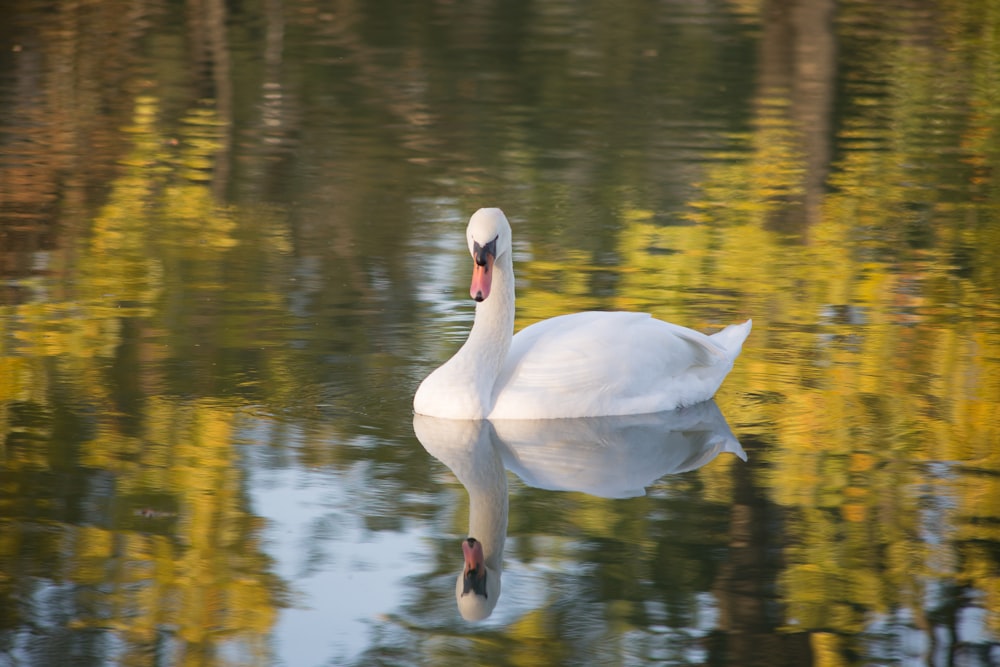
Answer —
474 581
479 252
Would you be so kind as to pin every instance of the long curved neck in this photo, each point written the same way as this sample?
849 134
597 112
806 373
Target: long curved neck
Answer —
489 341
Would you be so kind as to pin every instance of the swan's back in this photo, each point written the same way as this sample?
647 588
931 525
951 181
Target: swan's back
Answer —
600 363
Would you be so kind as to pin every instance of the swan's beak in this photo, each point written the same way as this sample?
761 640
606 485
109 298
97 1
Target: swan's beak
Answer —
474 574
482 269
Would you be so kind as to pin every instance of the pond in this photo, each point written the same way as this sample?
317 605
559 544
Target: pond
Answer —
232 244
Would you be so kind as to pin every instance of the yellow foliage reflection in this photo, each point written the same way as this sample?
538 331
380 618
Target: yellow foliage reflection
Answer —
167 549
878 363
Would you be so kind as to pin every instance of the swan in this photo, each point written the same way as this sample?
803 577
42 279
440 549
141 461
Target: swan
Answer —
587 364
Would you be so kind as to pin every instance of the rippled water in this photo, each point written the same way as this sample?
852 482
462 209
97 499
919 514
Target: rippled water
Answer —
231 246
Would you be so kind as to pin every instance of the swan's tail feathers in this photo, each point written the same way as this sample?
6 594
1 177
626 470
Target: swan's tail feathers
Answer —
731 338
733 446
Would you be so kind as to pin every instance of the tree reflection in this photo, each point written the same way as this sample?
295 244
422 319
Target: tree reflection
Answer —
126 527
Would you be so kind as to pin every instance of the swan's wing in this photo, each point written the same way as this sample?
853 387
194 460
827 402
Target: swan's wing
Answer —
600 363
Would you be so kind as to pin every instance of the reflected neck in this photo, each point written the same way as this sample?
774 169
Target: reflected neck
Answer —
488 505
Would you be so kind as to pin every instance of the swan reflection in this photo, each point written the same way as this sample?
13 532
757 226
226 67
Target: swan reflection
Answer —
609 457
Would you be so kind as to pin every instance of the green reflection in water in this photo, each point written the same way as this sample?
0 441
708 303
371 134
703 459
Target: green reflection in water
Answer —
124 506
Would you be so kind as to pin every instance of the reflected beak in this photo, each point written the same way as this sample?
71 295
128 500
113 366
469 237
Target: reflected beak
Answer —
474 574
482 269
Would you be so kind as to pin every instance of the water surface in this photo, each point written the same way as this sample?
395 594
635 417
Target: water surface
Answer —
232 243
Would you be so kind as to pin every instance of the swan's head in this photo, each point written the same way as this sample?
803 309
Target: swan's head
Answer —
478 587
488 235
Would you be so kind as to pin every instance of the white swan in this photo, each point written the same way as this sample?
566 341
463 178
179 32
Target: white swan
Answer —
581 365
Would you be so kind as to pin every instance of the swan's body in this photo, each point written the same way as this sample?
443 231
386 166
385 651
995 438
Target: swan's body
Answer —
580 365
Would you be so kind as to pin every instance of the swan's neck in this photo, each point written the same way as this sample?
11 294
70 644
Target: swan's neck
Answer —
485 351
463 387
